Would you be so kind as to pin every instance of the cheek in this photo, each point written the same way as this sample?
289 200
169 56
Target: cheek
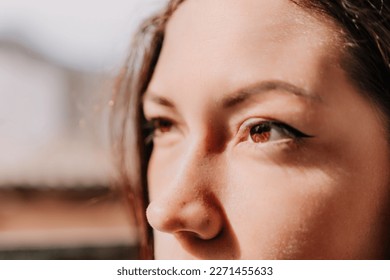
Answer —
274 214
316 210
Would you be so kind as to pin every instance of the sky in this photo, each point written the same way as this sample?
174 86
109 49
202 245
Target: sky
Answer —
84 34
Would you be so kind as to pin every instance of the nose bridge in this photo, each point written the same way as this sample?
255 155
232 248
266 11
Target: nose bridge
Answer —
197 165
192 180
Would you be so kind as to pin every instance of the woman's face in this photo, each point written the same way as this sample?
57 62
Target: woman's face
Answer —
263 149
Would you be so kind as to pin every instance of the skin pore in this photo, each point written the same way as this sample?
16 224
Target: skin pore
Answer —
263 148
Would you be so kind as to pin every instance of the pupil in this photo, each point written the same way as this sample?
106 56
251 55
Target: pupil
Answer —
260 133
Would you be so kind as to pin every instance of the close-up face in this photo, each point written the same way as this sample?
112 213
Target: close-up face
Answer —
263 148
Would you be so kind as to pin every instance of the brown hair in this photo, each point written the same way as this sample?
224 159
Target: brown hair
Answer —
367 51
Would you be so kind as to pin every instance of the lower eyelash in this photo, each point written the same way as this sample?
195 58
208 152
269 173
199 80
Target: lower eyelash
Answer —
284 147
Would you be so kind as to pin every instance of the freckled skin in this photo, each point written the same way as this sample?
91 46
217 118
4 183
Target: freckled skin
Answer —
217 194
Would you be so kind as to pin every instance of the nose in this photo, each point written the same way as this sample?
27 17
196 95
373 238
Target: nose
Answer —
187 207
193 216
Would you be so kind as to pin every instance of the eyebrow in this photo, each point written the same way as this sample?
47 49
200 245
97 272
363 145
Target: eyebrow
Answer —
241 95
152 97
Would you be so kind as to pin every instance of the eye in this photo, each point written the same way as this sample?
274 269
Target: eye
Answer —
159 126
267 131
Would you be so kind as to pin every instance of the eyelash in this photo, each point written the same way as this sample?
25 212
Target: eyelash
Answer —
155 127
155 124
264 130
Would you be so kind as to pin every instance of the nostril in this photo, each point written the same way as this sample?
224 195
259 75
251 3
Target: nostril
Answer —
206 228
211 228
212 236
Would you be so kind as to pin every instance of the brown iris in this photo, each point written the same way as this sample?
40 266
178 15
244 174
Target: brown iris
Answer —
161 126
260 133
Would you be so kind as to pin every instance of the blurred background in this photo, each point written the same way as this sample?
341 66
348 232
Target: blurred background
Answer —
58 60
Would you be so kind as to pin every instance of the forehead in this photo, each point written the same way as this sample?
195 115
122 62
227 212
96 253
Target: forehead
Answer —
230 42
232 17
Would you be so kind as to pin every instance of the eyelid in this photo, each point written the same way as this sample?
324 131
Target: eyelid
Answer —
156 112
152 109
247 125
149 130
149 124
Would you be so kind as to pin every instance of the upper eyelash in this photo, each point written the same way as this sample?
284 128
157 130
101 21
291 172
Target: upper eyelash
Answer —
289 130
148 128
295 132
149 123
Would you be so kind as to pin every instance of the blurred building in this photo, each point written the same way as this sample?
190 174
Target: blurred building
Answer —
55 167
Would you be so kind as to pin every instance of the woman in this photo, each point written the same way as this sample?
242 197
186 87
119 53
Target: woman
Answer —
259 129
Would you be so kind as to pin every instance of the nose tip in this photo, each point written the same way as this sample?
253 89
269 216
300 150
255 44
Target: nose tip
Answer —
198 218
